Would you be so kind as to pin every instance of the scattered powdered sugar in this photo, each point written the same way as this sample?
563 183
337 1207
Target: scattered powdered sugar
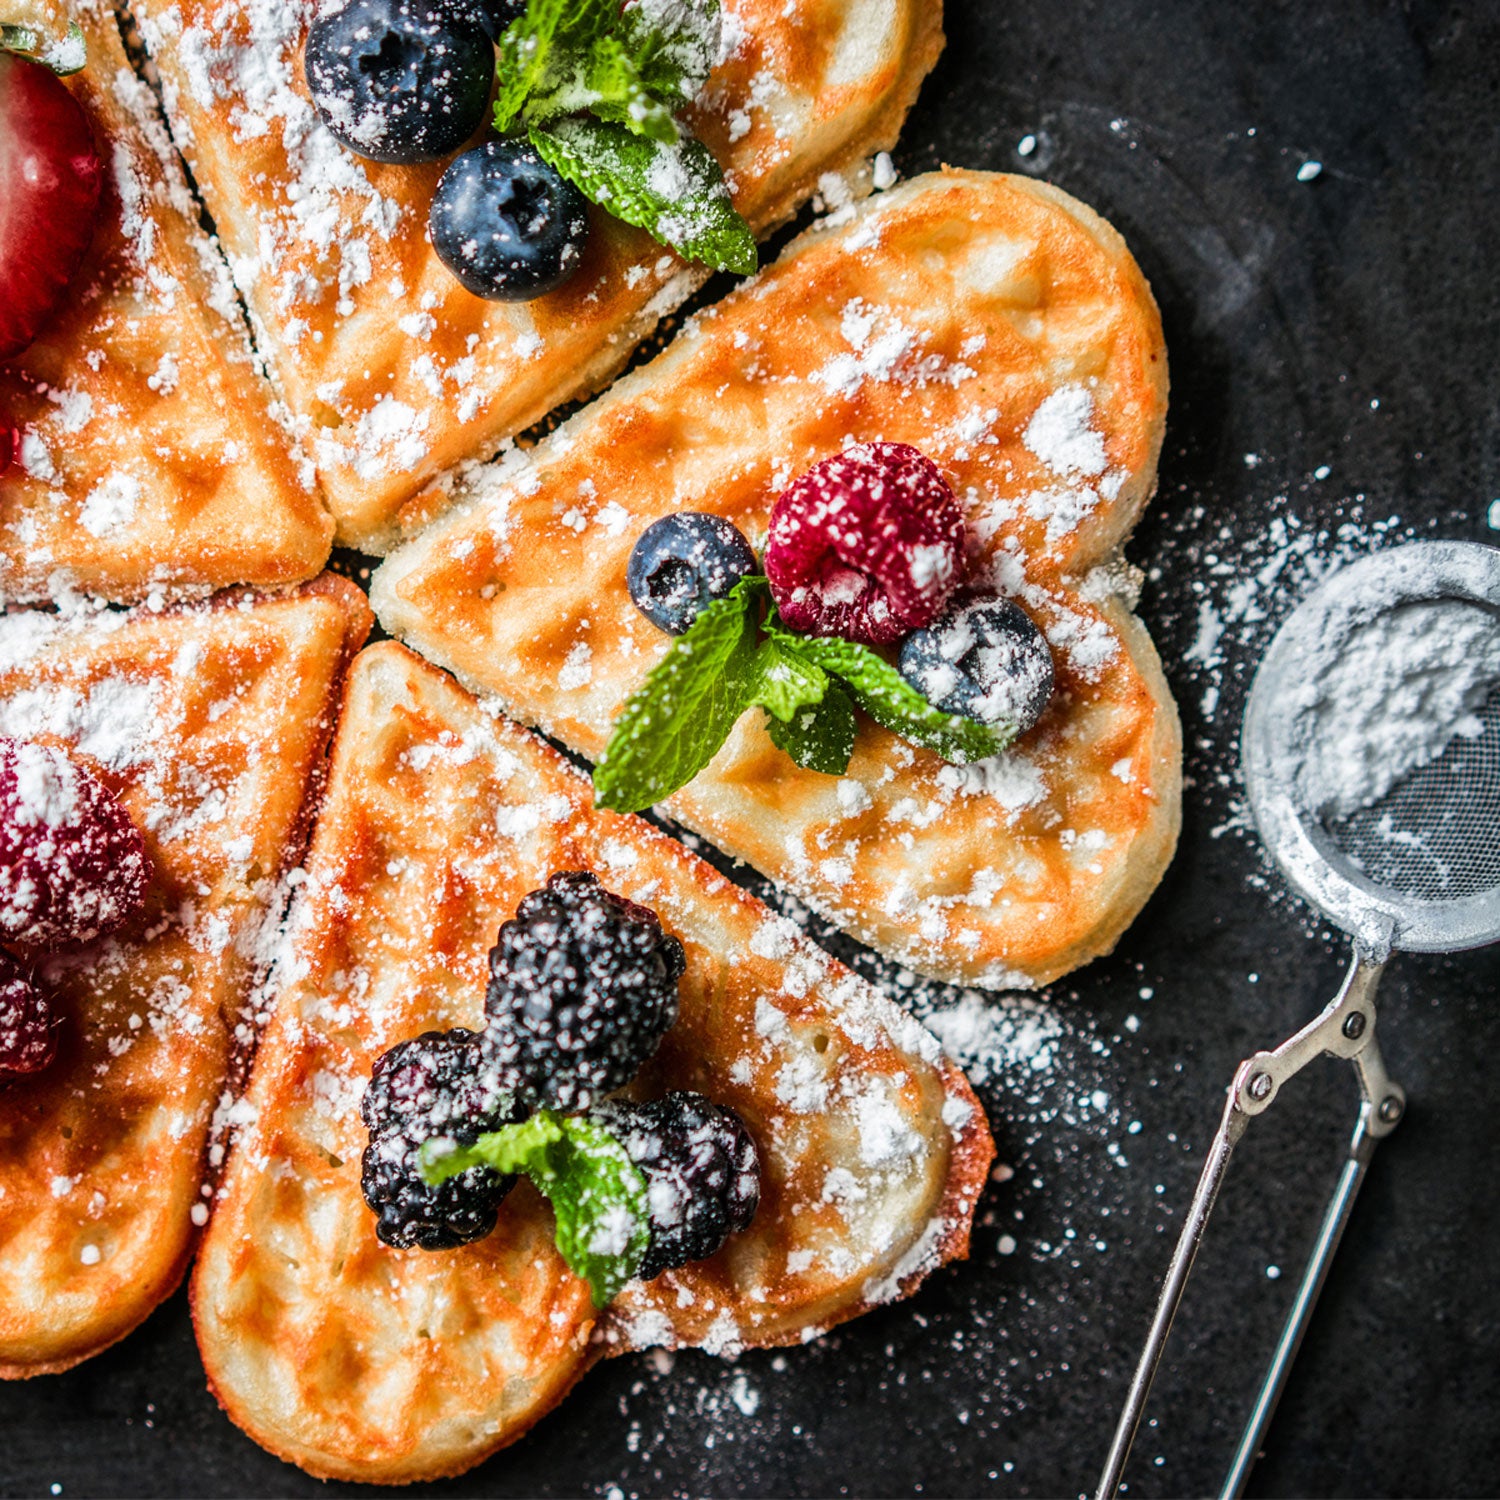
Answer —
1401 688
1062 435
111 505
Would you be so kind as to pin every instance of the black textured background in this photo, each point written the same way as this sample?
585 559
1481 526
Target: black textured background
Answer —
1350 322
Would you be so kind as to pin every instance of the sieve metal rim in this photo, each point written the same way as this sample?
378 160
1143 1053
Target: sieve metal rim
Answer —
1317 870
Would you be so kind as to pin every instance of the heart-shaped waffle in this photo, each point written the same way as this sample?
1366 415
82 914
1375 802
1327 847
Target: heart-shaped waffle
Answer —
207 722
149 459
397 370
1002 328
358 1361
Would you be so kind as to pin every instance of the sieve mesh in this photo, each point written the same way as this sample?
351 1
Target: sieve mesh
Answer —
1435 835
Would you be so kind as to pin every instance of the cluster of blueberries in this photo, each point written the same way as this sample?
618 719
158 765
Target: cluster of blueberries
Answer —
583 985
409 81
845 544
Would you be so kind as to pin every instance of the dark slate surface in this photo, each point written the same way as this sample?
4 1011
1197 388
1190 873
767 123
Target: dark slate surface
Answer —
1347 322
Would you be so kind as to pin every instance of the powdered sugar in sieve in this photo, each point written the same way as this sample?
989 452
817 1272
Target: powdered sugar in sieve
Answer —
1372 747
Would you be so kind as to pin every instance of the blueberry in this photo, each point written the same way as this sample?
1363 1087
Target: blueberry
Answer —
682 563
506 224
984 659
400 80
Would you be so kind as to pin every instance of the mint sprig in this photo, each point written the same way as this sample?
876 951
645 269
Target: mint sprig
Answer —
596 87
598 1195
675 722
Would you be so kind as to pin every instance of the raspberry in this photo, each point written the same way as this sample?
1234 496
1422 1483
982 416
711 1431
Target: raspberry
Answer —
701 1168
28 1037
867 545
438 1084
72 864
584 986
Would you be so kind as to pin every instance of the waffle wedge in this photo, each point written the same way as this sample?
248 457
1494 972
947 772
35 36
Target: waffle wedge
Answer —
209 723
399 371
1002 328
357 1361
149 460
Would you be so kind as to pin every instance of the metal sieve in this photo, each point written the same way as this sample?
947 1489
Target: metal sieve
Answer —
1416 869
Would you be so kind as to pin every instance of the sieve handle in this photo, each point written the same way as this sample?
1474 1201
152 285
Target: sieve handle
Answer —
1330 1232
1231 1128
1380 1110
1345 1028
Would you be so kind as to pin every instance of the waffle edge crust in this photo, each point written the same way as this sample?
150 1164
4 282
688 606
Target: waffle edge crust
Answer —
356 1361
1001 327
210 723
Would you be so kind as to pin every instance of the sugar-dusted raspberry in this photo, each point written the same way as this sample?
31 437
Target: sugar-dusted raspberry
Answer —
72 864
867 545
28 1038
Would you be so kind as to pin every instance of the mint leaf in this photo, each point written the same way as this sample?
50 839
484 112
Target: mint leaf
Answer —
606 81
781 680
619 92
674 43
598 1194
891 700
540 50
820 737
675 193
674 723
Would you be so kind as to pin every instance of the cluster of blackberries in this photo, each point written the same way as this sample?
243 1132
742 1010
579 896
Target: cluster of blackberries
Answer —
583 986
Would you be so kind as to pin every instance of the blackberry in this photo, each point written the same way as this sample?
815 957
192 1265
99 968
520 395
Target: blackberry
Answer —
701 1168
583 987
437 1084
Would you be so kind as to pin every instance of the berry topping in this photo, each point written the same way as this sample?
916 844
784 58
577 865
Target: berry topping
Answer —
72 864
584 985
28 1038
682 563
984 659
439 1084
866 545
400 80
701 1168
509 226
50 176
7 445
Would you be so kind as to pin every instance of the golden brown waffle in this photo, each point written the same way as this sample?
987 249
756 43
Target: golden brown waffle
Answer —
1002 328
209 723
400 371
357 1361
149 462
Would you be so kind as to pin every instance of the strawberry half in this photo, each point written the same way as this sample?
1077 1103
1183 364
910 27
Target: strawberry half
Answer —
50 177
